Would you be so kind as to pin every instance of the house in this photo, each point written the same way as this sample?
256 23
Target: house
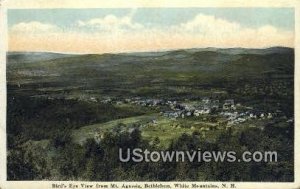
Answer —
127 100
154 121
270 116
156 102
93 99
228 104
171 114
131 130
206 100
215 104
188 113
241 120
206 110
106 100
98 136
197 113
189 108
252 115
118 102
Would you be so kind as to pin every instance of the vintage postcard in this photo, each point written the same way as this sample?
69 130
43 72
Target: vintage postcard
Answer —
149 94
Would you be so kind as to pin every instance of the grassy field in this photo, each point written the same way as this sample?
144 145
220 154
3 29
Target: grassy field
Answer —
80 135
165 129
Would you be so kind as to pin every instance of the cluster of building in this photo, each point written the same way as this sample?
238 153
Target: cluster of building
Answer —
234 118
227 108
205 106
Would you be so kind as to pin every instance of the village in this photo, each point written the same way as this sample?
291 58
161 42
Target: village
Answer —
198 116
234 113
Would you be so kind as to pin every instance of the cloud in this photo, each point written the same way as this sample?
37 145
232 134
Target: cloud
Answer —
118 34
206 24
111 23
33 27
212 27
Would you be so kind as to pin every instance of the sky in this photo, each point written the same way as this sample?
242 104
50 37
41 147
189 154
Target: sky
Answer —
148 29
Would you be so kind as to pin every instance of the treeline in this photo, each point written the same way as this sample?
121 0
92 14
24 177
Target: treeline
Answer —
37 119
99 161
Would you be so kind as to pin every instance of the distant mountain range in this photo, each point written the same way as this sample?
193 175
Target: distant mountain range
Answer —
14 57
232 51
